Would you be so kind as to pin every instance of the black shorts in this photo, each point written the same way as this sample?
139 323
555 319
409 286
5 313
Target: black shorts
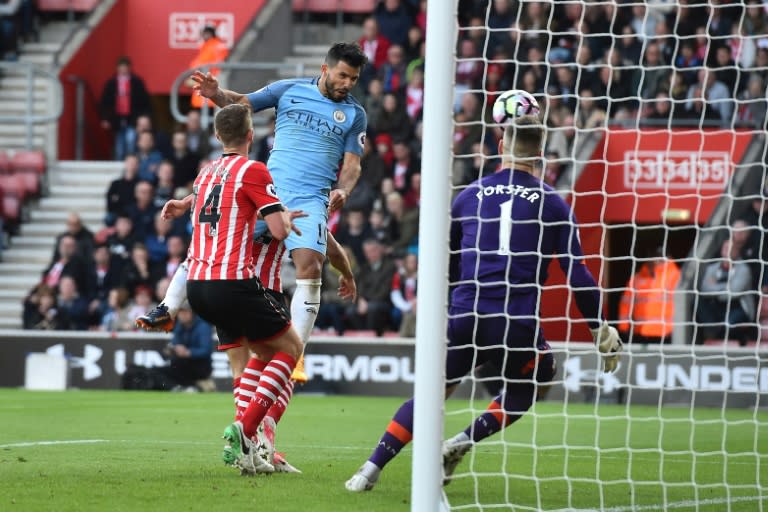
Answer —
239 309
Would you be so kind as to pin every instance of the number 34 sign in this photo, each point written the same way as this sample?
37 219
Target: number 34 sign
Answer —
184 28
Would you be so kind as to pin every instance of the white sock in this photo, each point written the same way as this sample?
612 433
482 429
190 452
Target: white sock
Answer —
305 305
460 438
177 290
370 471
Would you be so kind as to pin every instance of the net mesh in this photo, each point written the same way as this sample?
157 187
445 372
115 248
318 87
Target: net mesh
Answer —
656 119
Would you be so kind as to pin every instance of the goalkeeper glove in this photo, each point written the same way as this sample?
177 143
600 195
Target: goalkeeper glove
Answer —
609 344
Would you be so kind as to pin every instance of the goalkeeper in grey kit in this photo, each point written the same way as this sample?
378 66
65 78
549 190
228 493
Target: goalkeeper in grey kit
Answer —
506 229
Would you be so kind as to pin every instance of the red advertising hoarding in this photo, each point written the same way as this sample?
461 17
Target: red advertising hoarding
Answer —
640 177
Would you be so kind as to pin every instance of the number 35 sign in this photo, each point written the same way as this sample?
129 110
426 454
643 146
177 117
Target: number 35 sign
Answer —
184 28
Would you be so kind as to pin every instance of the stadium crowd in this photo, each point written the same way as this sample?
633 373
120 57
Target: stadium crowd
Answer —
589 64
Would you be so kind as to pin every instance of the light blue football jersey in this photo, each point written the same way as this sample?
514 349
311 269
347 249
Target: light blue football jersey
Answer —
312 133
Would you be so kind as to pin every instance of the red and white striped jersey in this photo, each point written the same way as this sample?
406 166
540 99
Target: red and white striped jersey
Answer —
267 258
229 192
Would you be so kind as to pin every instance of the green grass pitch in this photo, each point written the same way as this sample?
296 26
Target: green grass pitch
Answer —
132 451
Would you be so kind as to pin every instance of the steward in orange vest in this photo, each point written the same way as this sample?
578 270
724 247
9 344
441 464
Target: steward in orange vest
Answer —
647 305
212 51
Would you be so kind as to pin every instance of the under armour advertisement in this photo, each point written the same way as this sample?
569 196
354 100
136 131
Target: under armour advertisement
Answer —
705 376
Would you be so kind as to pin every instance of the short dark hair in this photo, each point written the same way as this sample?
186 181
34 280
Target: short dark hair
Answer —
232 124
210 29
123 61
350 53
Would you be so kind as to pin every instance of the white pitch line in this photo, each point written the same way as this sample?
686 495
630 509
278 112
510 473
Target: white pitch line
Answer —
674 504
53 443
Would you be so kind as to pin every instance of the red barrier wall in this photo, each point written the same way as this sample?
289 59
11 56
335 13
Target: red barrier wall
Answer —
160 39
633 177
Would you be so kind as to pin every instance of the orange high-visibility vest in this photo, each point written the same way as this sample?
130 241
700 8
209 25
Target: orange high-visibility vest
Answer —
211 52
648 300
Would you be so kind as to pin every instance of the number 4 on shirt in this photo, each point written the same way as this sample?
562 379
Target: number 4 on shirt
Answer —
209 213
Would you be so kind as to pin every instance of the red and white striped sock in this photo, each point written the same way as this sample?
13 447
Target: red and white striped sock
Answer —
278 408
249 381
273 379
236 392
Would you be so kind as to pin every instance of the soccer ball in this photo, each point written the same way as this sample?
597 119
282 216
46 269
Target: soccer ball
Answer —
513 104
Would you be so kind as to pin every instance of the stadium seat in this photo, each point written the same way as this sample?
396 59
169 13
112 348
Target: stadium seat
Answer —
13 185
66 5
350 6
30 166
25 161
5 163
10 206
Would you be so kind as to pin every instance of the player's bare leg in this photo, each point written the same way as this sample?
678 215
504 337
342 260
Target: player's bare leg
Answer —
306 299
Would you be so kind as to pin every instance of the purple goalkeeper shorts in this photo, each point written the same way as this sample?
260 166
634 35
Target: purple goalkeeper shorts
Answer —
475 339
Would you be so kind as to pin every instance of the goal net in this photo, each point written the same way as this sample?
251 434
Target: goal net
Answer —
655 117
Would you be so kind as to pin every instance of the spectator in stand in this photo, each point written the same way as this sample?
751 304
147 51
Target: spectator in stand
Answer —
157 242
412 49
646 309
142 301
40 311
688 60
374 168
471 115
412 198
392 72
177 253
82 235
106 280
375 47
727 307
120 243
353 231
715 94
374 282
117 316
162 141
726 72
661 110
469 69
138 272
165 189
394 21
403 224
752 104
586 71
718 24
644 21
631 48
403 294
699 112
560 139
588 115
655 72
198 139
122 191
264 147
142 212
404 166
379 229
212 51
189 351
149 157
184 161
500 17
123 99
394 119
374 102
68 263
414 94
72 307
757 220
702 44
743 48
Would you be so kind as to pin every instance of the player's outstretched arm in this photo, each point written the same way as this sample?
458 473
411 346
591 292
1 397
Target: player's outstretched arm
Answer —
348 176
207 86
339 260
175 208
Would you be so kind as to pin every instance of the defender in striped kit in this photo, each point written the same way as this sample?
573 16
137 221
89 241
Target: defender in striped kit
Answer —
222 286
